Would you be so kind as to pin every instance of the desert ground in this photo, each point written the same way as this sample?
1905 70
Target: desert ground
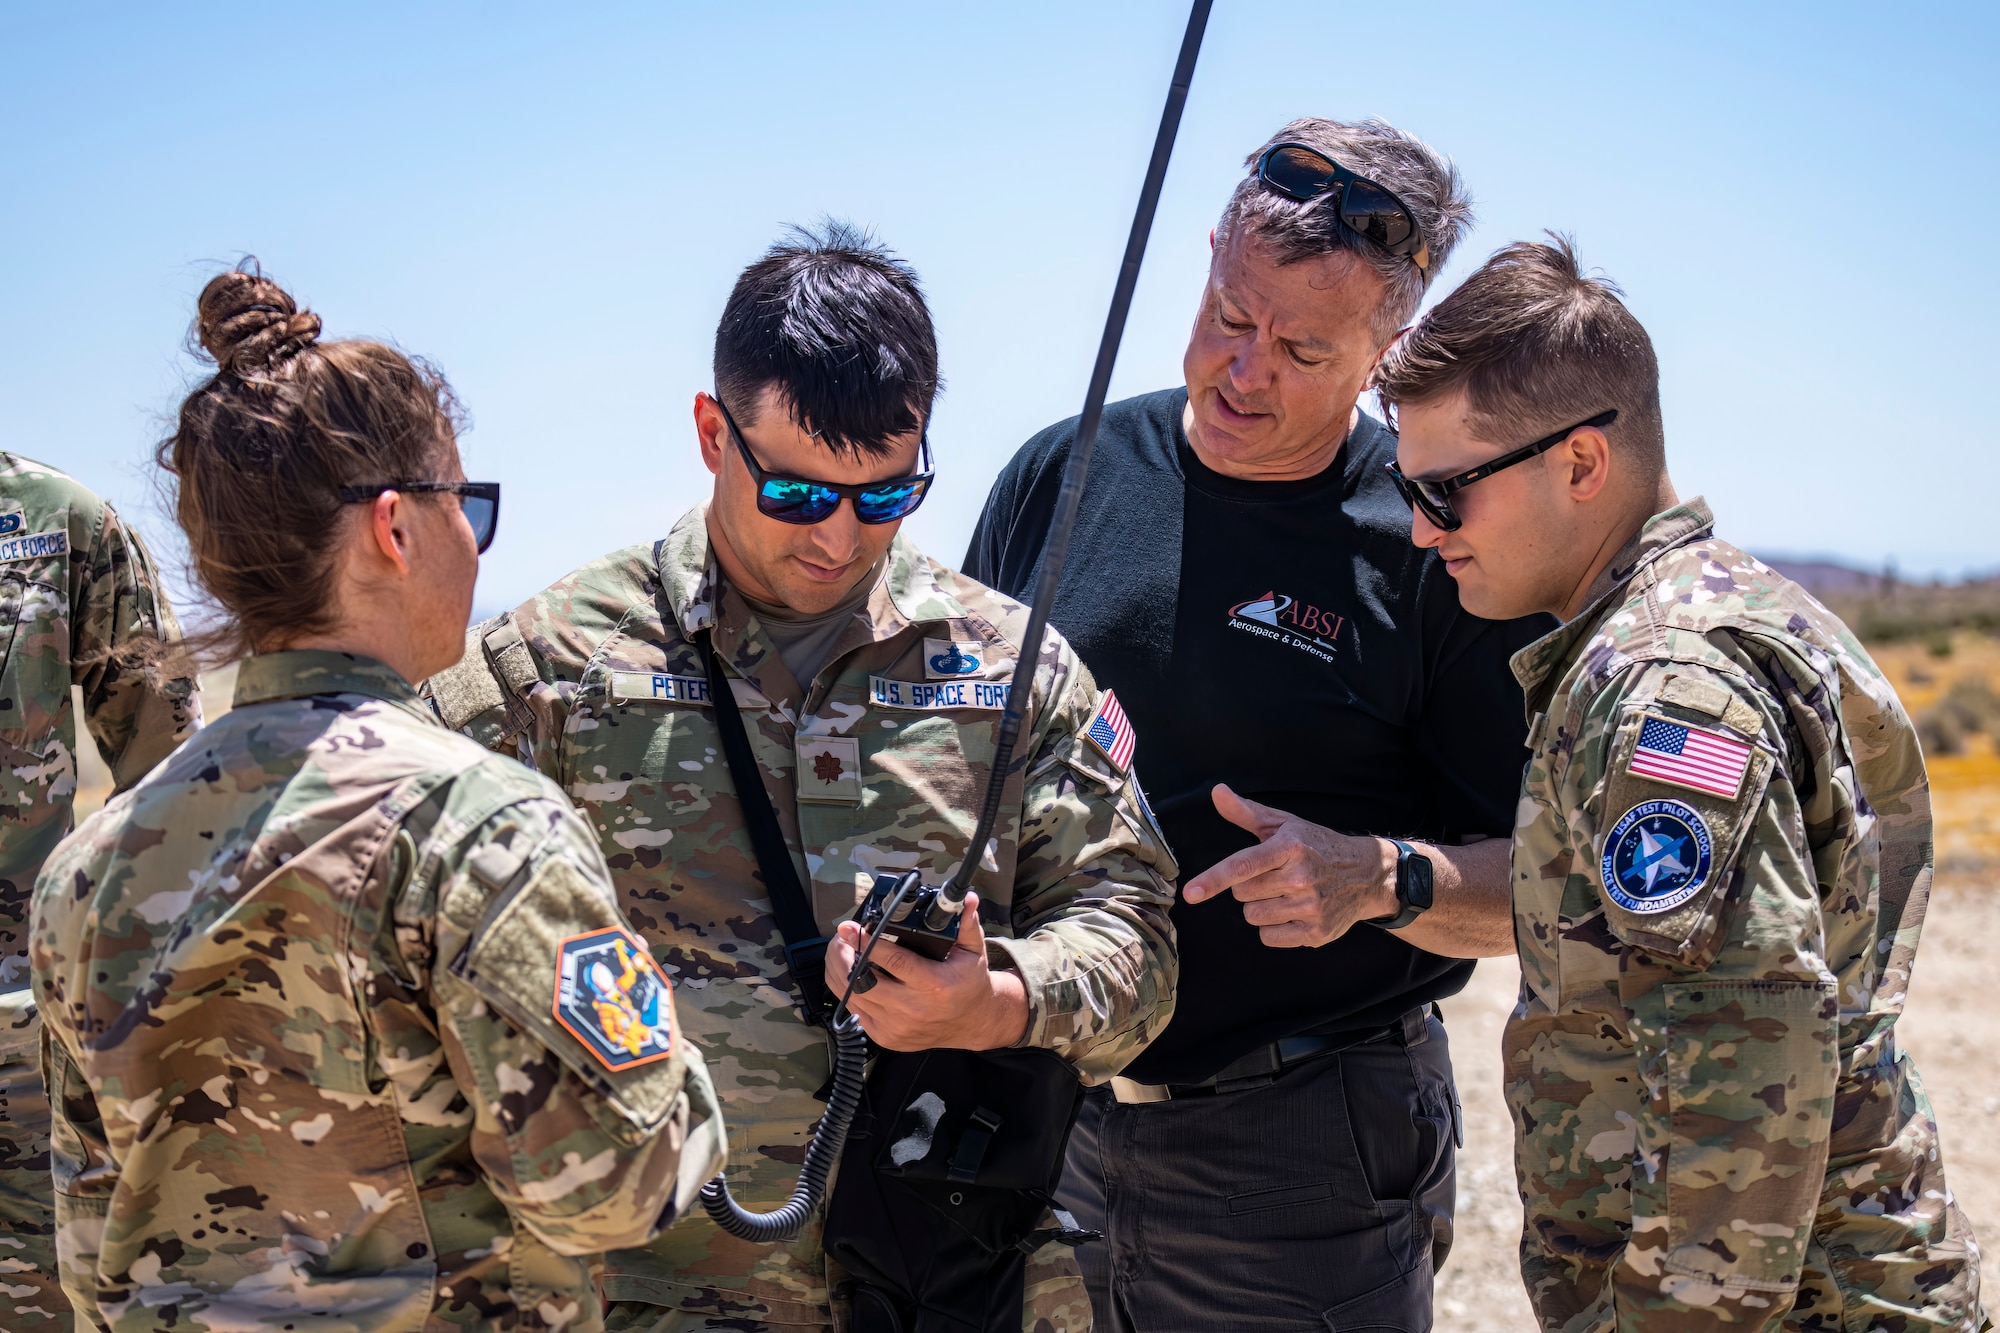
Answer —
1951 1027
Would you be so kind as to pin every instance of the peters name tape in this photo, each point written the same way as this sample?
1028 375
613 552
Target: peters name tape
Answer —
931 696
627 685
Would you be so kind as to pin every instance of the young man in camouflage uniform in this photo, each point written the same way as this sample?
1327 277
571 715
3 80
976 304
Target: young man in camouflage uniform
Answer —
77 591
870 680
1721 864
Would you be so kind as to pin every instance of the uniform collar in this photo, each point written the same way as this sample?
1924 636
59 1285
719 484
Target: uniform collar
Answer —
305 672
1666 531
906 593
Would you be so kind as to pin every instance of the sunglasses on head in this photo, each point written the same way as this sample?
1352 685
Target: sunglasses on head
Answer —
480 501
1304 173
1433 498
796 500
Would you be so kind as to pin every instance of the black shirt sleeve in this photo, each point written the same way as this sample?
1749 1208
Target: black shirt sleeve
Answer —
1008 538
1471 733
987 550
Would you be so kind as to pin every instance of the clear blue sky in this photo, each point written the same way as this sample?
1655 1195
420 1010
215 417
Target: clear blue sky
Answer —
552 201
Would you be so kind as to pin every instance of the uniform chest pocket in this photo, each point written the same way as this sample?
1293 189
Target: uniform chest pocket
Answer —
921 778
935 759
614 741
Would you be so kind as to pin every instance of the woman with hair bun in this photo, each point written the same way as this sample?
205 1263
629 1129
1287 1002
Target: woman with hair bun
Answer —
331 1044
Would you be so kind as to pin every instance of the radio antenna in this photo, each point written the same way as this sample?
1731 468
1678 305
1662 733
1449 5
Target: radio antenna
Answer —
1055 549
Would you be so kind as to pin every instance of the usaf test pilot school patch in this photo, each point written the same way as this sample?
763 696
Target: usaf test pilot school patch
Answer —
612 997
1658 856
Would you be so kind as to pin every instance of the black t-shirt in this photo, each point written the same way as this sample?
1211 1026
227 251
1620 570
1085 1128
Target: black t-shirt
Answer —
1285 638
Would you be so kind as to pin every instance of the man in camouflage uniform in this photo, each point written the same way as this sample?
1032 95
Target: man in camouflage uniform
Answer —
1721 864
321 994
874 745
77 592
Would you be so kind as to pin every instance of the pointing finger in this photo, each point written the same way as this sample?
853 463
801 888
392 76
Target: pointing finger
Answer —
1234 869
1261 820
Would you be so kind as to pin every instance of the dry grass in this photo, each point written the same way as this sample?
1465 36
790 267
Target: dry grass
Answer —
1965 788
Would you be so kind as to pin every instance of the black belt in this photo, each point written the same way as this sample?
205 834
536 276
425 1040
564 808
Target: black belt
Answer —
1265 1063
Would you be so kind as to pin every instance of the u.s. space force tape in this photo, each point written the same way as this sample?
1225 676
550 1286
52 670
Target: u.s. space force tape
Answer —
34 545
932 696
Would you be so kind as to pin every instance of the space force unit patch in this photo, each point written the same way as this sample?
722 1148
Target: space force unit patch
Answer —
948 659
1658 856
613 998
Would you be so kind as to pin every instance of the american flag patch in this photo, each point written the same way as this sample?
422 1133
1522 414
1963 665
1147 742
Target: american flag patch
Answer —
1690 757
1110 732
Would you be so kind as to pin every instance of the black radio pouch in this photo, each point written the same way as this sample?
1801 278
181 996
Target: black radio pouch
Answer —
947 1175
954 1155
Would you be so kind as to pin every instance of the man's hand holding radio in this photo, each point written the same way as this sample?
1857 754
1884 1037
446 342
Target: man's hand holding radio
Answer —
917 1004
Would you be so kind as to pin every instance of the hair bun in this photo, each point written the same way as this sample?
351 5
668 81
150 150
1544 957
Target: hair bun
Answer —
250 324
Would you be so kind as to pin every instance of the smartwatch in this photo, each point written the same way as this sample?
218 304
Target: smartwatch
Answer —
1413 887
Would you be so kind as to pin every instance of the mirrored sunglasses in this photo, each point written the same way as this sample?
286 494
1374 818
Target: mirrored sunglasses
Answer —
796 500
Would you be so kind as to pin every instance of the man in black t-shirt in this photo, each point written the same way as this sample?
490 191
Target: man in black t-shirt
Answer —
1333 749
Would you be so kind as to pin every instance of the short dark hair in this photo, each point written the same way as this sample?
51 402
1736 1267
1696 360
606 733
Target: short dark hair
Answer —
837 322
1424 179
1537 345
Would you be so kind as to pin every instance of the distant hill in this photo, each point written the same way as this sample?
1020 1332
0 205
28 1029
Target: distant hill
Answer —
1882 608
1825 578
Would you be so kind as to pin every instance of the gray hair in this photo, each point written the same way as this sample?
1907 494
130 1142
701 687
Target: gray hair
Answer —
1424 179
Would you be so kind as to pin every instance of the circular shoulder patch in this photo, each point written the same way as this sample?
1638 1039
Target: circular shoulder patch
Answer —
613 998
1657 857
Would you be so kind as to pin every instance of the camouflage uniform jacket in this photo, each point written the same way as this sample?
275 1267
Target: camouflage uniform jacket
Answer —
76 587
1720 872
312 1066
77 591
877 764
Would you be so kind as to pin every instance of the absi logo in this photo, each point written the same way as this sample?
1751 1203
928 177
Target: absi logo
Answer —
1291 621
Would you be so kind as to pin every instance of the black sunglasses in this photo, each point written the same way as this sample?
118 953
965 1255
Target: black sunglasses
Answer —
1300 172
479 499
796 500
1433 498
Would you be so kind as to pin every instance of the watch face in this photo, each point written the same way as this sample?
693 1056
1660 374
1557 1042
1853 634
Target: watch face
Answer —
1418 889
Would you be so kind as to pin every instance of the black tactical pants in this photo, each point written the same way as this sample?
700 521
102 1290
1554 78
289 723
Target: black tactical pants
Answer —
1317 1198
